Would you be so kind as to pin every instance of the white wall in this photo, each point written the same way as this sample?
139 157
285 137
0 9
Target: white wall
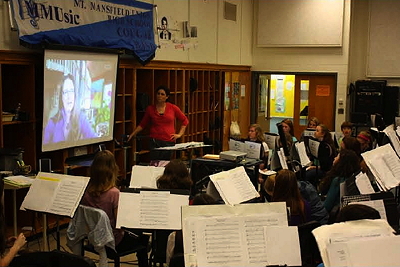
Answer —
328 60
219 41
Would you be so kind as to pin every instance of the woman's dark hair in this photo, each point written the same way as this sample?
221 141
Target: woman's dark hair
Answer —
175 176
103 173
352 143
287 190
346 124
165 88
347 165
355 212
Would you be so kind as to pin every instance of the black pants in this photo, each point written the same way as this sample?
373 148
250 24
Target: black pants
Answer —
156 154
128 242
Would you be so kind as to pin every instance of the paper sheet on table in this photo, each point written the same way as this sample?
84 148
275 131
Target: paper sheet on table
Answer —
381 251
145 176
222 235
363 184
150 210
55 193
384 165
341 232
301 150
234 186
283 245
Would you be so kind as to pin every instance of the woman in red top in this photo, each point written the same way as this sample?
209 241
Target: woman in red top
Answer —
161 118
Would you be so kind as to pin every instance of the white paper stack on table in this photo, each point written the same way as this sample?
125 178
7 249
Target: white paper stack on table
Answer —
19 180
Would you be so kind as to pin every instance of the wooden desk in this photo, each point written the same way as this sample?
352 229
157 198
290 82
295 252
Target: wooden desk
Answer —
14 189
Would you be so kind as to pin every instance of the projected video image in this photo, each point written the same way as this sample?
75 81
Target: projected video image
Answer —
79 93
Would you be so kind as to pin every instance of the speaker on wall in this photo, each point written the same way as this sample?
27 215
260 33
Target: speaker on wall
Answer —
45 165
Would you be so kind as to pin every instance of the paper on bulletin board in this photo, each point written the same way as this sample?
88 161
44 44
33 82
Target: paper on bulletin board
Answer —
323 90
243 90
226 97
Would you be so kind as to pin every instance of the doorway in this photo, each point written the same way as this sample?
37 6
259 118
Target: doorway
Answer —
296 96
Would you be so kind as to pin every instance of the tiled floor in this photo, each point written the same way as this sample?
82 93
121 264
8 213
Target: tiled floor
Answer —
37 245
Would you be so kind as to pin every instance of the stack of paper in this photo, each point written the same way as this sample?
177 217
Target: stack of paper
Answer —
332 241
18 180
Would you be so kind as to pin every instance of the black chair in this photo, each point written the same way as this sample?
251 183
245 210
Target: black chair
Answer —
54 258
310 255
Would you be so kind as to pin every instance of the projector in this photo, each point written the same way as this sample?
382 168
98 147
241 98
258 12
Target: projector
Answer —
232 155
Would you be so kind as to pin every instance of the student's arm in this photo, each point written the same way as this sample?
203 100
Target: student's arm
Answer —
333 195
18 244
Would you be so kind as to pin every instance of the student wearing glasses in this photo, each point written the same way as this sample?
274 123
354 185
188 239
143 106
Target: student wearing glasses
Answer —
161 118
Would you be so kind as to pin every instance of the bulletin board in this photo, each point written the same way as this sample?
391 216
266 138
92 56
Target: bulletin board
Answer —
383 57
294 23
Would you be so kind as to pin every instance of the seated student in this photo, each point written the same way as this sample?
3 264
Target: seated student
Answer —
102 193
345 165
175 176
355 212
286 189
309 194
14 244
313 122
347 128
326 154
288 128
365 139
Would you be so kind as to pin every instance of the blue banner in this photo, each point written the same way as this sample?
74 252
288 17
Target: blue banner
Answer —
92 23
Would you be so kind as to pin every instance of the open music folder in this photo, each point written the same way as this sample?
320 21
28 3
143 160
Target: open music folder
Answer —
55 193
254 234
384 165
234 186
151 208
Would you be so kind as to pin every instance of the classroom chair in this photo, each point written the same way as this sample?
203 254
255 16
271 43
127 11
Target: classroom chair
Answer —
90 230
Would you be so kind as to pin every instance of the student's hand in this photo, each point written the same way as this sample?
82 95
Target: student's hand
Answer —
20 241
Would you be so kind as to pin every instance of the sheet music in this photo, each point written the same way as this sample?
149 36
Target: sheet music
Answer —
271 140
55 193
363 184
283 245
145 176
182 146
150 210
378 204
313 146
301 150
253 149
308 133
381 251
394 139
236 145
229 235
234 186
385 165
351 230
282 159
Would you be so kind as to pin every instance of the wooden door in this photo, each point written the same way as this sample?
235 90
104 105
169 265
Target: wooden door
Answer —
315 96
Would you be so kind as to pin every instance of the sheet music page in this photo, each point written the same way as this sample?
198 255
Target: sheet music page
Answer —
234 186
378 204
145 176
301 150
363 184
314 146
55 193
283 245
229 235
342 232
308 133
384 164
253 149
237 145
271 140
381 251
150 210
394 139
282 159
